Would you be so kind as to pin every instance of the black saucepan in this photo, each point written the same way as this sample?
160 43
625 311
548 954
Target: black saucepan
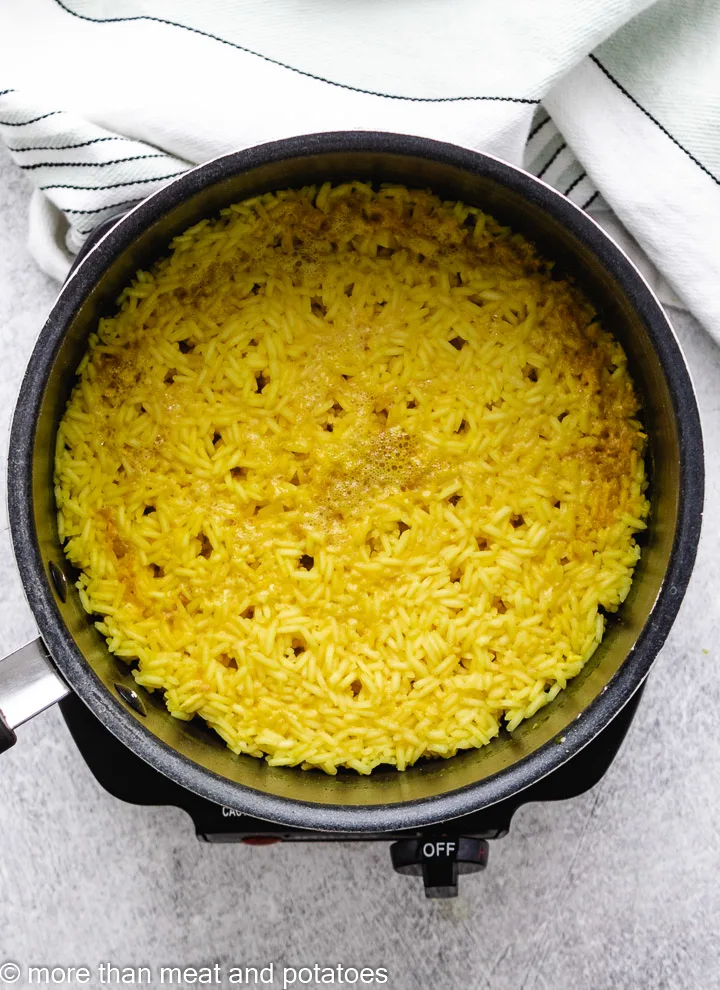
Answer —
189 753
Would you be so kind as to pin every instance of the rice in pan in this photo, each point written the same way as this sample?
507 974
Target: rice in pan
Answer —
352 477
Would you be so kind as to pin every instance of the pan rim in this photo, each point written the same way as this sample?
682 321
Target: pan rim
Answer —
356 817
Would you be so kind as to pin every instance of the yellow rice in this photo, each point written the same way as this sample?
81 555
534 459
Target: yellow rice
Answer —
352 477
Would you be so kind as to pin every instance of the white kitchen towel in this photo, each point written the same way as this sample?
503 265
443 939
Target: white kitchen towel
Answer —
614 102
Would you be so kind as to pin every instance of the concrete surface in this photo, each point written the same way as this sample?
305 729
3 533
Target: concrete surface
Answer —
617 889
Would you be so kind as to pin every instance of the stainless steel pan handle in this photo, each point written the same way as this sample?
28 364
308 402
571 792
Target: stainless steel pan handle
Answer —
29 683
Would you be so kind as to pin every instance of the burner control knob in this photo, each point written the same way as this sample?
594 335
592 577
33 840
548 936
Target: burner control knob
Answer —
439 860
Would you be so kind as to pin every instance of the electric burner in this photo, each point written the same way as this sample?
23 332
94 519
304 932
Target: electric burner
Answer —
437 853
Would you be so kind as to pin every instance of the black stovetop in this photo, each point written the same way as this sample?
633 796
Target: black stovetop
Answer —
437 852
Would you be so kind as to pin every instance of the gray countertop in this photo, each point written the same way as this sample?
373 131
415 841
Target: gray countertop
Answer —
619 888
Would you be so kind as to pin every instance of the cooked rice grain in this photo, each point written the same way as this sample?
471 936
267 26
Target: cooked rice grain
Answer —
352 477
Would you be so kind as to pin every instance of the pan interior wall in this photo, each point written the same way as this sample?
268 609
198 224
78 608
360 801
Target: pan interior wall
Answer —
574 259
